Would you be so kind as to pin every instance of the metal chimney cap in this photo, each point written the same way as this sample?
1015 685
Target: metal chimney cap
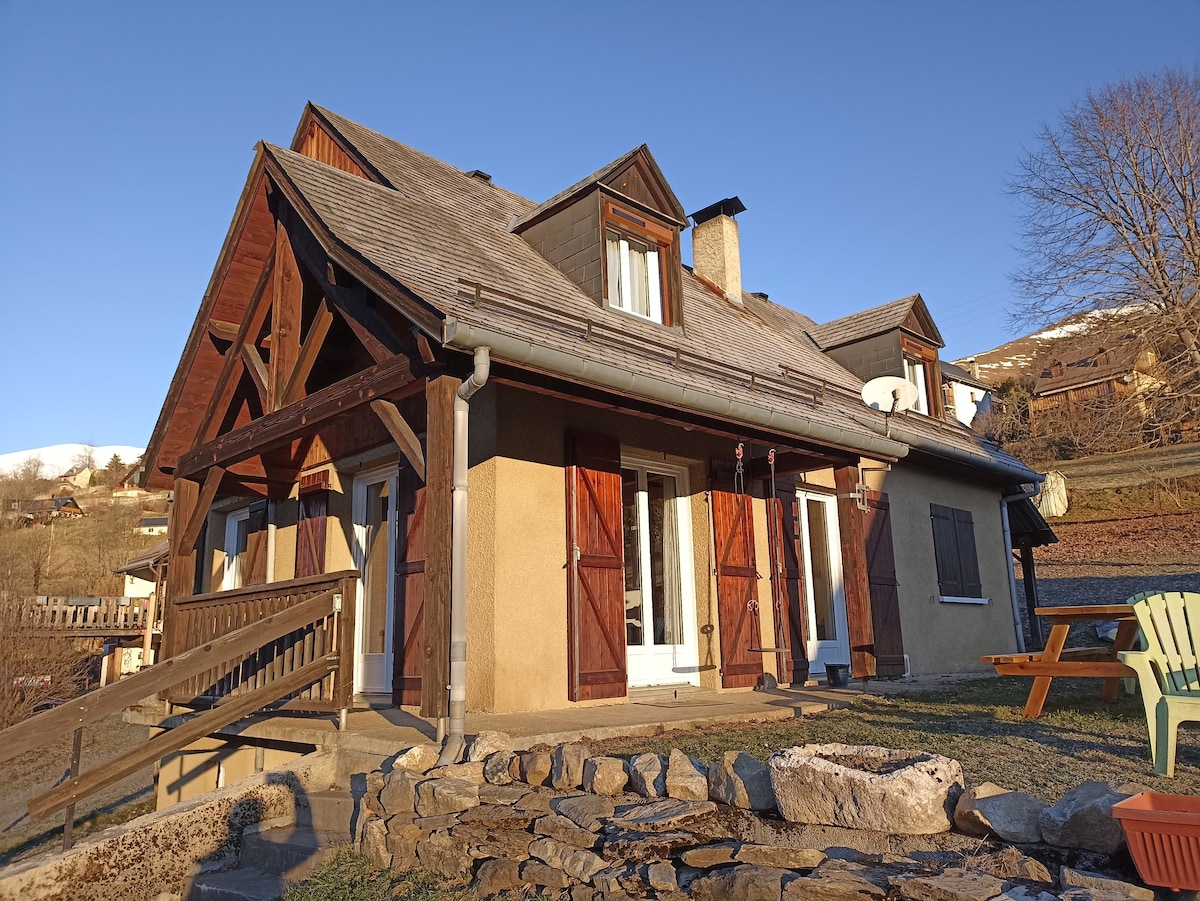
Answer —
730 207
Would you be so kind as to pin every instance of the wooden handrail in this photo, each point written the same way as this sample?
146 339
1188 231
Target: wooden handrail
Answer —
67 793
53 724
291 586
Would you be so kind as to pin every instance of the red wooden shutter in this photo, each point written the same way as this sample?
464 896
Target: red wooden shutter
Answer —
310 533
256 544
596 571
408 633
737 586
885 597
787 582
855 581
954 550
968 558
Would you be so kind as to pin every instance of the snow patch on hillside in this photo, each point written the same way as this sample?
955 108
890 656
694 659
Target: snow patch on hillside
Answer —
58 458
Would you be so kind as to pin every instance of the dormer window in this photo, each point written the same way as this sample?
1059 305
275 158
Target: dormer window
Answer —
920 366
635 252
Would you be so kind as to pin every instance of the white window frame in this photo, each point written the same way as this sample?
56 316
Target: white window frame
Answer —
619 283
229 577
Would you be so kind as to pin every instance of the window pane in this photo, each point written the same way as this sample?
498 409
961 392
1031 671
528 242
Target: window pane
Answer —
653 288
914 371
666 598
638 301
633 558
240 545
613 250
822 577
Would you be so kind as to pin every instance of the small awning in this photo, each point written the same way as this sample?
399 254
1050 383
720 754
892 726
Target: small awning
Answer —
1029 528
148 563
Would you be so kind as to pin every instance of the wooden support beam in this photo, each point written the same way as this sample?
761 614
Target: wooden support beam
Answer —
313 342
172 740
227 381
425 349
181 574
855 577
439 437
226 331
287 310
303 417
793 463
402 434
208 491
258 374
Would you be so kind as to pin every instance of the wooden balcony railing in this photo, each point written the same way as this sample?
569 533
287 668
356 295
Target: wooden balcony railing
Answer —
195 621
87 616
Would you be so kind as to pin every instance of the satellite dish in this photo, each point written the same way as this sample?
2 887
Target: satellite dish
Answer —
890 394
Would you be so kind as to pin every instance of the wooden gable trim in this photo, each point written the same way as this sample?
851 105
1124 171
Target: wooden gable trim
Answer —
154 477
919 322
665 202
345 156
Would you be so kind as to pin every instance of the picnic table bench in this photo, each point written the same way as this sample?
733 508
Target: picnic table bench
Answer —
1092 662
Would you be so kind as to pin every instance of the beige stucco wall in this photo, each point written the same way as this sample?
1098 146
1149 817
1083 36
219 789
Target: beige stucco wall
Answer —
946 637
212 763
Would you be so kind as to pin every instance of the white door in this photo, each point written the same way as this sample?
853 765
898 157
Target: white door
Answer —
829 641
661 643
374 557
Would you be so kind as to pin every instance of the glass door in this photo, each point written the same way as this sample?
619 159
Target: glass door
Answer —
660 607
375 530
829 641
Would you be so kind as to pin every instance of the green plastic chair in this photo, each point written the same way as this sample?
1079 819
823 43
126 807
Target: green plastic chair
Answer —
1168 669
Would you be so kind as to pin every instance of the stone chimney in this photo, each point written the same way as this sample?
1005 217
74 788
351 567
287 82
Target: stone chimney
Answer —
715 254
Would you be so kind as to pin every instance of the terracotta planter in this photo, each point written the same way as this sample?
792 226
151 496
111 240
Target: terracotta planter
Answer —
1163 834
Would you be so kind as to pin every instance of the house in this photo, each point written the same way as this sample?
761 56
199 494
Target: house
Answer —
531 455
964 394
46 509
152 525
78 477
1080 370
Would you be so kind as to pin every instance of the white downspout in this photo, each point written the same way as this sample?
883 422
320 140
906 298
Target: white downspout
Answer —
1005 500
458 558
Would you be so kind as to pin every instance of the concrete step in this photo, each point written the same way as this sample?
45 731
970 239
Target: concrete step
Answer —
243 884
293 852
336 811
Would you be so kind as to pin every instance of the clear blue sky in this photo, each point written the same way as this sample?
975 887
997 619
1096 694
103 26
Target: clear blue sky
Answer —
871 143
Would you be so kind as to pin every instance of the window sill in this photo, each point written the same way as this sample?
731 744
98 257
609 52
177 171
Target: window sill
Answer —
952 599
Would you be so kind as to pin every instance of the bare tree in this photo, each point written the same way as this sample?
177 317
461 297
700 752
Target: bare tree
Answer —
1111 219
36 665
85 457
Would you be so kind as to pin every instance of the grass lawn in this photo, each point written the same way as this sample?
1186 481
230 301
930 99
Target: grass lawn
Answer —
977 722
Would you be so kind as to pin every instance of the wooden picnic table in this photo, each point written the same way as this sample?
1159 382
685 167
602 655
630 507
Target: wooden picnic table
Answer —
1094 662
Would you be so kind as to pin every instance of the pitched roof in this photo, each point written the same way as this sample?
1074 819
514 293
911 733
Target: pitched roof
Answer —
909 312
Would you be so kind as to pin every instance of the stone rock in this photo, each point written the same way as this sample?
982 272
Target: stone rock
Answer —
496 876
488 742
497 767
566 766
535 872
640 846
585 811
1021 893
608 881
687 778
1090 894
420 759
375 781
780 856
435 823
1009 863
444 856
501 794
661 877
482 842
737 779
835 885
1070 879
559 827
952 885
575 862
988 809
706 857
863 787
742 883
663 816
534 802
374 843
399 792
1081 818
496 817
581 892
440 796
472 772
604 775
648 775
533 767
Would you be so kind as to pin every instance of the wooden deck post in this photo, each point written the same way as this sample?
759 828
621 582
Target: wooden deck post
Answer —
855 578
439 458
181 568
1029 575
